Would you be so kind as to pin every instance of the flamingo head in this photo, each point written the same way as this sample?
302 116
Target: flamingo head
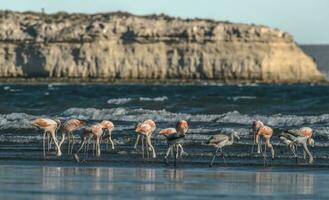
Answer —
307 131
235 134
137 127
257 124
59 122
82 122
310 142
182 126
107 124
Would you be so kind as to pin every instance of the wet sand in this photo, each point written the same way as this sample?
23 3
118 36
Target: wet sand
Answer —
53 180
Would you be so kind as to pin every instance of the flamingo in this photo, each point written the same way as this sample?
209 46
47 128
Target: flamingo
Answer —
260 130
95 131
145 130
49 126
174 137
67 129
219 141
109 126
301 136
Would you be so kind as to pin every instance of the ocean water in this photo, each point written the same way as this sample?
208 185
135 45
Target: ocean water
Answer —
320 53
123 173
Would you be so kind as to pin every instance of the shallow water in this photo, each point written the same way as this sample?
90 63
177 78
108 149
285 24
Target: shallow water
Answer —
122 173
58 182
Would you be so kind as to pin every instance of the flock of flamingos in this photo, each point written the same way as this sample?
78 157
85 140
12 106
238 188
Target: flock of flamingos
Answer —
103 131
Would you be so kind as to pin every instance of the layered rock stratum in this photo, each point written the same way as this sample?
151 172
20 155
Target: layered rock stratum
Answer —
156 47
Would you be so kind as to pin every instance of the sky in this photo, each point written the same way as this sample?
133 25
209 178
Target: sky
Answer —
306 20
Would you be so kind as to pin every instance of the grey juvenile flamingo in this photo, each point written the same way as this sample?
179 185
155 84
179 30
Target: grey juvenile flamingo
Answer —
302 136
219 141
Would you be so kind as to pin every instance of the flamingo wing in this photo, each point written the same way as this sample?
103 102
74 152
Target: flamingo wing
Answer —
294 132
288 136
143 128
168 131
41 122
216 139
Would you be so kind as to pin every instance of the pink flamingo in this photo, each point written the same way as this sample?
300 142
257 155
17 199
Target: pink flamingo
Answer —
95 131
67 129
260 130
50 127
174 138
109 126
145 130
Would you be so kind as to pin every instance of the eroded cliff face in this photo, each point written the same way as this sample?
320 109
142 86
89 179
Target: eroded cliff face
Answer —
124 46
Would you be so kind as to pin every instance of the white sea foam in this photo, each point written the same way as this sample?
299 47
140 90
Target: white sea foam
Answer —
236 98
153 99
120 101
234 117
15 120
220 123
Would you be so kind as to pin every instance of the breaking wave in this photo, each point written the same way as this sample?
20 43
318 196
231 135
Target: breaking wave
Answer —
120 101
200 123
234 117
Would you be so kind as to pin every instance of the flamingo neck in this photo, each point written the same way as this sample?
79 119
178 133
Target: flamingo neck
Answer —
232 139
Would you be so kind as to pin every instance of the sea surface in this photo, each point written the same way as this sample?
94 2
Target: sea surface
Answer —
123 173
320 53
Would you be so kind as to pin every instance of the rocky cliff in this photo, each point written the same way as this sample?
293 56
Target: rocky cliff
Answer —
125 46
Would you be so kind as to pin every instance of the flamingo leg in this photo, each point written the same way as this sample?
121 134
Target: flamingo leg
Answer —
48 142
264 152
293 150
175 154
143 146
270 146
69 143
137 141
147 149
151 146
87 147
76 157
62 140
73 143
110 140
258 147
59 152
98 147
44 144
177 150
221 150
308 153
94 147
181 150
253 144
214 157
167 154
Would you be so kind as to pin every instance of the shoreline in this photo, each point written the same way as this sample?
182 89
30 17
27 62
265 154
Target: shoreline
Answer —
299 168
105 81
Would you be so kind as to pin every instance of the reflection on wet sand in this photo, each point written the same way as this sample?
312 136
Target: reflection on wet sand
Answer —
150 183
298 183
